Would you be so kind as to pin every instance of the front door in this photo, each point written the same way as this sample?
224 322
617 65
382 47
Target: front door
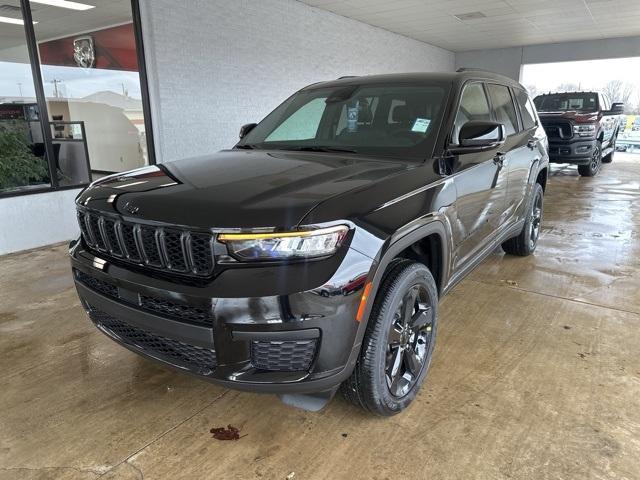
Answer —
480 180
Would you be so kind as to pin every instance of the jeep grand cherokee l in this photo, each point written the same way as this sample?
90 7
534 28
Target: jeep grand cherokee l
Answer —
313 253
582 128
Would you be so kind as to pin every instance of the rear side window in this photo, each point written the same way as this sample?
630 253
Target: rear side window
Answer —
526 109
503 107
473 106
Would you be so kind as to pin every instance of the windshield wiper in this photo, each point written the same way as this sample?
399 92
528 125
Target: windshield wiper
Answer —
246 146
317 148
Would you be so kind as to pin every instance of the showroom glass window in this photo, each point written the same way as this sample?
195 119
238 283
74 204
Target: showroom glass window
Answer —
72 94
92 87
23 162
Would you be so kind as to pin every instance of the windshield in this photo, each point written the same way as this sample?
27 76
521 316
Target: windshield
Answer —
563 102
392 120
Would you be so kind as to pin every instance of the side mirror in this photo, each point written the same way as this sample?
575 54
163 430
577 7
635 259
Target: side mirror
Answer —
617 108
478 136
246 129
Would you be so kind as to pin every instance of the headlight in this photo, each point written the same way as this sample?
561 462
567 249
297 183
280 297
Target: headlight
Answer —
584 130
287 245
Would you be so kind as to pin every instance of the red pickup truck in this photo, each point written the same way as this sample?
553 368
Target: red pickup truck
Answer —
582 128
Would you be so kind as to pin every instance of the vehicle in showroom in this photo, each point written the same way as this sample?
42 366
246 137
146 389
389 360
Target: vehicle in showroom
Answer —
582 128
313 253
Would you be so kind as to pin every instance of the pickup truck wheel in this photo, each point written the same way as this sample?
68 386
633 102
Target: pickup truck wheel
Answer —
399 341
594 165
525 243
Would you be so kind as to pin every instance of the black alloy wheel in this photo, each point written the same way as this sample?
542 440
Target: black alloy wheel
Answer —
535 220
595 162
408 341
526 241
399 341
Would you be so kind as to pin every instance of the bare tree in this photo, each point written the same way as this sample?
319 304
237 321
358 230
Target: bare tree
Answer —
619 91
532 89
568 87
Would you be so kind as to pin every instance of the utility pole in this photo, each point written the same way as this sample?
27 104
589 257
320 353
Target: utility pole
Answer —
55 87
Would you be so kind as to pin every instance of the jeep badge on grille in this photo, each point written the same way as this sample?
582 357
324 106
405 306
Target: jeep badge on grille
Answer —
132 209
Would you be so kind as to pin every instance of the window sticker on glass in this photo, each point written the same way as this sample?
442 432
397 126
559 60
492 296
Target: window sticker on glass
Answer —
421 125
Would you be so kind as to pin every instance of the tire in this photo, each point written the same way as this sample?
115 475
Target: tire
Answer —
594 165
609 158
397 349
525 242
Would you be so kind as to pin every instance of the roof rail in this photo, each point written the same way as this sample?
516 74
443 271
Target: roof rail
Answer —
348 76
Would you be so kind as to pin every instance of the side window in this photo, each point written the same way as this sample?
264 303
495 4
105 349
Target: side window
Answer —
473 106
504 110
301 124
526 109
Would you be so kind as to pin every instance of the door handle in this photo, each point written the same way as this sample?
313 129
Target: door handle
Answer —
532 143
499 158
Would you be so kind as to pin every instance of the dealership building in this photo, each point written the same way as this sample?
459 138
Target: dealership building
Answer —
129 84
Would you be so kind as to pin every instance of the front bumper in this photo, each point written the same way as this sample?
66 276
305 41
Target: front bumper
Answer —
577 152
283 342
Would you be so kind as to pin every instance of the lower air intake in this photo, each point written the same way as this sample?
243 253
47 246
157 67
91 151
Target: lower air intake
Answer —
283 356
196 359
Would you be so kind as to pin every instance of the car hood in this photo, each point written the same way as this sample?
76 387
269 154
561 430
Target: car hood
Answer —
236 188
576 116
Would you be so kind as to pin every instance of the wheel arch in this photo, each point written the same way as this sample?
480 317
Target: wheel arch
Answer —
542 177
427 240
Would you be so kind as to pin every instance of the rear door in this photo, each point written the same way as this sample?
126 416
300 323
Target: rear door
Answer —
521 149
480 182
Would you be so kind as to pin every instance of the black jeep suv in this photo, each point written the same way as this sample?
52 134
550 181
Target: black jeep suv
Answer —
313 253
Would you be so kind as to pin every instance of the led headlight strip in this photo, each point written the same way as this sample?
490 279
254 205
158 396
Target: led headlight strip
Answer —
285 245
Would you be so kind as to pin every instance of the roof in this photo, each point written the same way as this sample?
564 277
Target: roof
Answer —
460 76
568 93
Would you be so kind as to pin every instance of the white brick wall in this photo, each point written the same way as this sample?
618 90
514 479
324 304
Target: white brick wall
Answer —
214 65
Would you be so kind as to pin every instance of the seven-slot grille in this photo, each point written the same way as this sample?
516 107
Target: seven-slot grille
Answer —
162 248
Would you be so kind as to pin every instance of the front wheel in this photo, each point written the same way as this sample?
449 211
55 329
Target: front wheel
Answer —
399 341
593 167
525 243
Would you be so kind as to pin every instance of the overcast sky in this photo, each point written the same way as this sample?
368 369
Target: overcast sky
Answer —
16 80
592 74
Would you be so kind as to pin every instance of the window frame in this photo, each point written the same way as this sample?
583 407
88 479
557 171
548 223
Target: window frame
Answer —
34 59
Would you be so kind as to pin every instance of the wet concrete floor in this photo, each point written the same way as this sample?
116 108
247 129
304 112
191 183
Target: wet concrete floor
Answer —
536 375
